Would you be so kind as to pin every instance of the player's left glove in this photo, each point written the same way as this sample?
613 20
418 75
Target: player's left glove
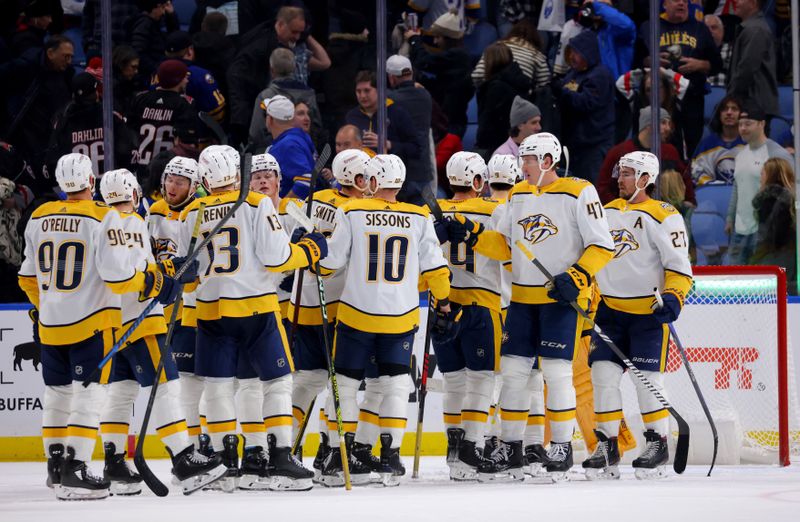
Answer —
446 325
287 282
440 227
315 247
567 285
163 288
298 234
670 310
169 267
473 229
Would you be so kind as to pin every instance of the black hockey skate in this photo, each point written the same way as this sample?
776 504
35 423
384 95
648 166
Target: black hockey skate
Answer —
535 459
229 457
55 456
490 446
469 459
253 474
319 459
287 473
652 462
192 470
124 481
362 462
392 467
78 483
204 445
604 462
559 461
505 465
455 437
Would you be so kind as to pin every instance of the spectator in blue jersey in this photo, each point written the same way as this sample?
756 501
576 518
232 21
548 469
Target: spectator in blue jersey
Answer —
616 34
715 156
291 147
202 86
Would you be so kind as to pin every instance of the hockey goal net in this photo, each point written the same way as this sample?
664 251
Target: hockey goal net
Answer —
734 329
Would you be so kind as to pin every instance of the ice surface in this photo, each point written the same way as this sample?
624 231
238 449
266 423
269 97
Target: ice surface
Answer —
755 494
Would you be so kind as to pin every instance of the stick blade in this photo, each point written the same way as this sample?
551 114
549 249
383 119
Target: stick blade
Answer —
149 478
682 448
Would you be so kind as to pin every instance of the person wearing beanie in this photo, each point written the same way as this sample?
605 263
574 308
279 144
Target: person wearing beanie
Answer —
154 114
607 186
145 34
525 119
292 148
443 14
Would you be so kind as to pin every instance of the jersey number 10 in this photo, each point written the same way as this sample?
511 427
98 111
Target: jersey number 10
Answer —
389 256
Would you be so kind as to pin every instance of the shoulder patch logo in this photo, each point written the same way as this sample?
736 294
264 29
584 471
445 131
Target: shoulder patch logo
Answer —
667 206
624 242
164 249
537 228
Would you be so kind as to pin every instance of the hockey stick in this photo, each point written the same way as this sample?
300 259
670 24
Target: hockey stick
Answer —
149 478
214 126
423 389
433 204
303 425
694 383
306 223
566 160
244 189
682 448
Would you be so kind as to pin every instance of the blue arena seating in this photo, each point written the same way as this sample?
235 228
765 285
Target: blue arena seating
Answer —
708 222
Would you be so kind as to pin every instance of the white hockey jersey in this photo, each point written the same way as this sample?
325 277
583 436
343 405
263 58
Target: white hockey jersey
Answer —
650 251
562 223
387 248
476 278
233 268
76 262
288 225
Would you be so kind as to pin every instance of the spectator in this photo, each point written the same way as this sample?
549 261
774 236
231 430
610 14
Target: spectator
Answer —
121 12
417 102
282 70
616 34
775 211
127 82
302 117
292 148
505 81
525 119
717 30
525 44
741 220
212 50
688 48
32 26
145 35
585 96
433 10
401 135
715 155
202 86
446 74
753 62
607 186
349 137
635 87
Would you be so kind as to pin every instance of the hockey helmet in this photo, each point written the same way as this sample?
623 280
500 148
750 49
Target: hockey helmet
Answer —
184 167
504 168
387 169
219 166
119 186
264 162
74 173
540 145
642 163
462 167
348 164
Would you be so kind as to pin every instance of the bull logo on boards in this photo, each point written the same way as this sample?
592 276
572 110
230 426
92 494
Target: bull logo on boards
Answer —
27 352
537 228
624 242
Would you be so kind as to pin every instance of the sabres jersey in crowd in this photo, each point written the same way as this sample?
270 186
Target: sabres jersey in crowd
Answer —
154 116
233 269
323 214
650 251
203 89
140 257
476 278
562 223
165 227
76 260
387 248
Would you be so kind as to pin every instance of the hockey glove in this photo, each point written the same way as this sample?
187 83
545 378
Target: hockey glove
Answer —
315 247
440 227
298 234
669 312
446 325
163 288
287 283
473 229
567 285
456 231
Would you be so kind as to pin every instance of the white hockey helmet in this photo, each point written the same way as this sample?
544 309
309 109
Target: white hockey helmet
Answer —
219 166
462 167
504 168
119 186
387 169
348 164
540 145
642 163
263 162
74 173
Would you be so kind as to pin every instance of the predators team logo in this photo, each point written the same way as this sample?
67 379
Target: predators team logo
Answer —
164 249
624 242
537 228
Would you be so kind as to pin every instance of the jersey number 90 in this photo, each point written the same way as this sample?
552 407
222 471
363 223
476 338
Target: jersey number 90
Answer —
66 260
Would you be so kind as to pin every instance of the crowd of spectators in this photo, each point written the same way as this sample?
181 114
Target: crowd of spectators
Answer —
291 76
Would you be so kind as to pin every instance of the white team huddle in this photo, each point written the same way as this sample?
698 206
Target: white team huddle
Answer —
267 309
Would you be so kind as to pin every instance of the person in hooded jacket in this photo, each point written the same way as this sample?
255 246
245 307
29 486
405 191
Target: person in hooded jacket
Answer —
145 35
586 100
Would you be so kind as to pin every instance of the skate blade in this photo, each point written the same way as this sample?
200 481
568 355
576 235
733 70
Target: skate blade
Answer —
332 481
390 480
362 479
558 477
250 482
512 475
534 470
71 493
609 473
278 483
126 489
208 481
461 472
317 476
657 473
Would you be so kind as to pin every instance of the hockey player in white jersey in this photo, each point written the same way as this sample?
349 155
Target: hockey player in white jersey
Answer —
650 253
468 355
239 332
136 362
75 266
562 221
179 183
387 247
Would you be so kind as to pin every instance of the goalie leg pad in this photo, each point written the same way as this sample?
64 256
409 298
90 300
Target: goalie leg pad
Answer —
560 398
249 398
220 409
514 398
277 409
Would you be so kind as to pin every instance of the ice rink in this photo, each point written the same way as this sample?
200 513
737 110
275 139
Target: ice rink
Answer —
754 494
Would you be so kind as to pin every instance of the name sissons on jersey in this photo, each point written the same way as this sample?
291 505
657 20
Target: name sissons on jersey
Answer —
388 220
